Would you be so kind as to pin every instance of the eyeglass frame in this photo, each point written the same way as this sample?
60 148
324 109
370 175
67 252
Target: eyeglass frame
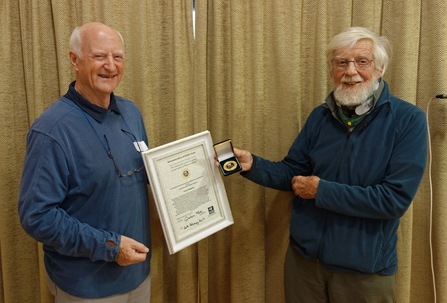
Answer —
109 152
354 61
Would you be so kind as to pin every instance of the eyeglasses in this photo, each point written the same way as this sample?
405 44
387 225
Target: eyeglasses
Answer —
359 62
109 152
135 141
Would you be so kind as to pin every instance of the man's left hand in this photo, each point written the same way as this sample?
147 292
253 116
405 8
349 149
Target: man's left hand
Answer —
305 187
130 252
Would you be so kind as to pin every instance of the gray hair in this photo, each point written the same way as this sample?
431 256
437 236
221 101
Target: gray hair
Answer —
349 37
75 42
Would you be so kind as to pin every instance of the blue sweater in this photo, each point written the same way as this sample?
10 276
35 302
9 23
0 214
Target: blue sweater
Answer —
368 179
73 201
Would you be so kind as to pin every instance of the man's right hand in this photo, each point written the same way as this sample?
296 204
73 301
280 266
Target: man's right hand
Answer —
245 159
130 252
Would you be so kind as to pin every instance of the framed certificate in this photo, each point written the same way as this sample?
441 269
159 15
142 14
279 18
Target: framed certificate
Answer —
188 190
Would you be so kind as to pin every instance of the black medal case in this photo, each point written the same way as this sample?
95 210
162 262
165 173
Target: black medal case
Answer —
228 162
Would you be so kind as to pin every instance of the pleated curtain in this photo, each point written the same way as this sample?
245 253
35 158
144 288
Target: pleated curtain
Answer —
250 71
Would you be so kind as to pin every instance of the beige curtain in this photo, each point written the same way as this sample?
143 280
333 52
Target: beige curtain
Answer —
253 73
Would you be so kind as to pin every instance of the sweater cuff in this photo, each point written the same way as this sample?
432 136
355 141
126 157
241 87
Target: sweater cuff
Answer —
247 174
108 252
320 193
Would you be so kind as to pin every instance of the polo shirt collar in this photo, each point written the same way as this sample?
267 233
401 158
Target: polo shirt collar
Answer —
96 112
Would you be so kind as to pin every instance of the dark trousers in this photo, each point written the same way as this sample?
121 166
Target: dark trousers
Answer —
307 281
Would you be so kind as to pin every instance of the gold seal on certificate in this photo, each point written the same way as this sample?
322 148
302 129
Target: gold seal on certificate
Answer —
186 173
188 190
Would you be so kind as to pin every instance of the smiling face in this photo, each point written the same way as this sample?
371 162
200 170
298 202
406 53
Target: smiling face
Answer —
100 69
353 86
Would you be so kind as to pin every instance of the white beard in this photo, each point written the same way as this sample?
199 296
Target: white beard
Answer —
357 95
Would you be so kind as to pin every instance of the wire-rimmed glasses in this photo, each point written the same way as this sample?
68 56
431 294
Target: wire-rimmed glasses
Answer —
359 62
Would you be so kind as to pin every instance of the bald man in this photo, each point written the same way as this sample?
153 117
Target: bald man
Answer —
83 191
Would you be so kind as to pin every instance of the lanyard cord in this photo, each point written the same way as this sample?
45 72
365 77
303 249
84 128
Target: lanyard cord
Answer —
125 121
105 146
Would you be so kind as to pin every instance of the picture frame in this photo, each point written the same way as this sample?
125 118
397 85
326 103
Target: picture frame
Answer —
188 190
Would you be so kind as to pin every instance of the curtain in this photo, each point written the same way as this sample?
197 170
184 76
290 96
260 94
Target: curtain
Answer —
253 72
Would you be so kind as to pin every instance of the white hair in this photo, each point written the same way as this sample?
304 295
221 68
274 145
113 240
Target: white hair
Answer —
75 42
349 37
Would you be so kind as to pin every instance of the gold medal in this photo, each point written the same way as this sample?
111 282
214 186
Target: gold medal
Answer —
230 165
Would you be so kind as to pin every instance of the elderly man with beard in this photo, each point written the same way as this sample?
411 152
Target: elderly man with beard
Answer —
355 168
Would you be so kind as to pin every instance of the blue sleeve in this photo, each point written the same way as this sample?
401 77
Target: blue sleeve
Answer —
279 175
391 198
43 188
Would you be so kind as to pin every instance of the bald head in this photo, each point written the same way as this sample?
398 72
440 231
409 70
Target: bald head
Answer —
88 31
97 56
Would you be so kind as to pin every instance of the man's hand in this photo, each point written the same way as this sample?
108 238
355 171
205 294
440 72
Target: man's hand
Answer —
245 159
130 252
305 187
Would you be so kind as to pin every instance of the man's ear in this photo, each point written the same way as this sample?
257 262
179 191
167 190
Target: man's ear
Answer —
379 73
74 60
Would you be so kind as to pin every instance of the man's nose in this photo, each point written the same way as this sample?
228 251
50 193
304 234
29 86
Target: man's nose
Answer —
109 63
351 69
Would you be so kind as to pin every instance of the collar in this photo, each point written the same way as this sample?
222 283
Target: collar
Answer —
96 112
349 122
365 106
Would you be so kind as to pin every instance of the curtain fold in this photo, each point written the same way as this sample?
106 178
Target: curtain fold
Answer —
252 73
